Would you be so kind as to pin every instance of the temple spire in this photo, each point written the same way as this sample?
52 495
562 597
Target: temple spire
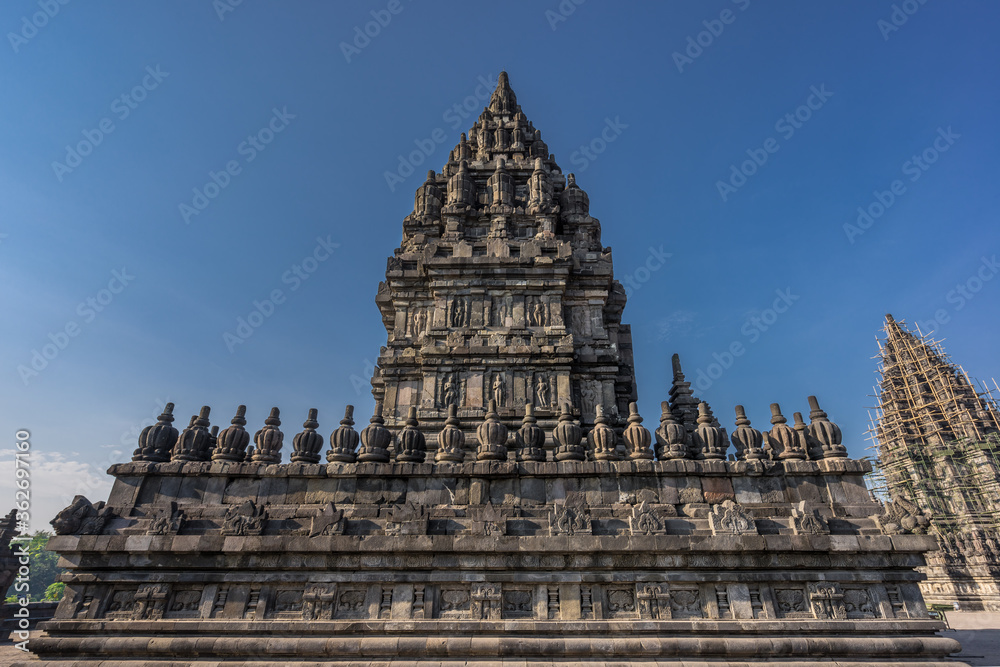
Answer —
503 100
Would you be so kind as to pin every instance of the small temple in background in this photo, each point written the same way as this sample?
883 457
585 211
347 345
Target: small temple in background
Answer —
937 439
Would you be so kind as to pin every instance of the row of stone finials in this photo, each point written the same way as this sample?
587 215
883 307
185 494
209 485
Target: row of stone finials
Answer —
819 439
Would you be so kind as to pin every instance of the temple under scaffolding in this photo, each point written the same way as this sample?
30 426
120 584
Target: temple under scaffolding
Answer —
937 438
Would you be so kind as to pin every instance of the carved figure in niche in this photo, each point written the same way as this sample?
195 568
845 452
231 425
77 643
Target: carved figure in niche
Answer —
589 398
449 392
460 312
501 309
542 392
579 319
539 314
418 322
498 388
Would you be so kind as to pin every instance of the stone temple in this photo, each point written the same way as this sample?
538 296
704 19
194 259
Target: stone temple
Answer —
938 445
505 504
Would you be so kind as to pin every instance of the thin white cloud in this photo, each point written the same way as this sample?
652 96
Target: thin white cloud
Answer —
677 323
55 480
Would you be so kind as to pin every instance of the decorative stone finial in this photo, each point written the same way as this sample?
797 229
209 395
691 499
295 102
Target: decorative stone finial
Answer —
567 436
573 201
671 438
747 441
156 440
412 445
812 448
194 441
529 438
451 440
232 441
428 199
492 437
461 189
825 431
269 440
344 440
602 438
709 441
307 444
637 437
375 439
782 438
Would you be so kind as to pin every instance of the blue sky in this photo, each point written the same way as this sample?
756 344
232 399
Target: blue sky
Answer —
693 90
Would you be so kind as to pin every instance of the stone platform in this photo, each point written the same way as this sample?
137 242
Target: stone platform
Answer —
678 562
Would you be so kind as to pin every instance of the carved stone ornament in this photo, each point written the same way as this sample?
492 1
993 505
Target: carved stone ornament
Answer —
827 600
602 438
901 516
231 443
344 440
318 602
166 520
81 517
269 440
747 440
530 439
637 437
485 602
407 519
156 441
149 602
728 518
307 443
244 519
807 521
569 518
491 520
654 601
375 439
328 521
671 438
649 520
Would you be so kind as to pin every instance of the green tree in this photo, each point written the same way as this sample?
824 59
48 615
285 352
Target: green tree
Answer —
55 591
43 566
